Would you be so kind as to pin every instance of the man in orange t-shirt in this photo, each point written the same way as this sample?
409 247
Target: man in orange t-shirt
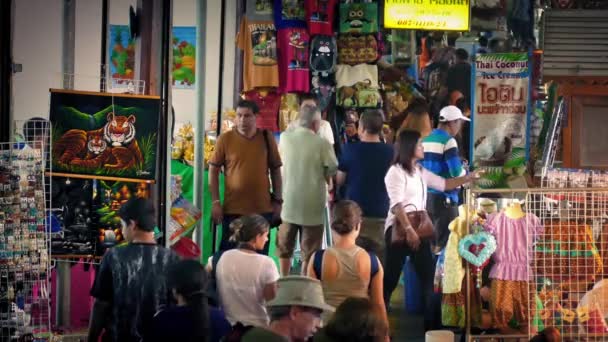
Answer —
246 155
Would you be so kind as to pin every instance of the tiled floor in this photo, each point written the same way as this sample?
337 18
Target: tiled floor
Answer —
404 327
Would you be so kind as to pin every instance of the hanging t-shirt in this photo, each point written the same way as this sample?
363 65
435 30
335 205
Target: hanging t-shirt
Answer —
358 18
289 13
320 16
258 40
269 105
259 9
293 60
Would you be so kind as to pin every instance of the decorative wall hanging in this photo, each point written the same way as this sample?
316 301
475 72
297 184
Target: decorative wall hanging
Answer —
99 134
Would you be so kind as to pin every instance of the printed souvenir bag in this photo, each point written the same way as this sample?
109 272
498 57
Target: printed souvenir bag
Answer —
359 95
358 17
353 49
323 55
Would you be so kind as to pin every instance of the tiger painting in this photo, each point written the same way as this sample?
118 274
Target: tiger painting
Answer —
97 151
112 147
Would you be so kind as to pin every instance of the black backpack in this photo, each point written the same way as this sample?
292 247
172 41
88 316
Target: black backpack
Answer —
323 55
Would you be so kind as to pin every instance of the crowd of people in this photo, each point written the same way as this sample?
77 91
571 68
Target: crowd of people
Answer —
388 191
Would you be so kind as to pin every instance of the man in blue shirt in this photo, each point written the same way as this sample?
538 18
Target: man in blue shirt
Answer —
441 157
361 170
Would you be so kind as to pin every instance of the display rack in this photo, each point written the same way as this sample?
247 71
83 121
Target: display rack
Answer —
24 243
568 263
104 84
38 131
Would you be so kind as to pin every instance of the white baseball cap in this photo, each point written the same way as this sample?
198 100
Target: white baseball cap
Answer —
451 113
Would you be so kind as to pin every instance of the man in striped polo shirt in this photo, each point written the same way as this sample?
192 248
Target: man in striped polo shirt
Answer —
441 157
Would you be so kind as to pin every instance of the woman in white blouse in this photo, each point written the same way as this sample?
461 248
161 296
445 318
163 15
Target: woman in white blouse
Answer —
406 184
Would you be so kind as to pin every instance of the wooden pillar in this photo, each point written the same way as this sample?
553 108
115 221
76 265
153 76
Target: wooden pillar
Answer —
153 65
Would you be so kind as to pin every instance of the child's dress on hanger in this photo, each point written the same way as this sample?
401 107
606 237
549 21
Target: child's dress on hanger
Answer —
510 274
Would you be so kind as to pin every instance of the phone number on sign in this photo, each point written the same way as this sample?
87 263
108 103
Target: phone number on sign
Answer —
421 23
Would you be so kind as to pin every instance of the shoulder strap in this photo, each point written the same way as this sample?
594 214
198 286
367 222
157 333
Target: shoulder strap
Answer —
318 263
267 143
424 190
374 267
214 261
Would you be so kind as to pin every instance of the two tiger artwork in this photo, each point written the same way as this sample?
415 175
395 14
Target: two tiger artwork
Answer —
104 134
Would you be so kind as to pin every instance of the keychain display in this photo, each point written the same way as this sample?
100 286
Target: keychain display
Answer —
24 244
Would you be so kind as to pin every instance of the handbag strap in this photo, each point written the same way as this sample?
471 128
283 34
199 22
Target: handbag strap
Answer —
424 190
411 205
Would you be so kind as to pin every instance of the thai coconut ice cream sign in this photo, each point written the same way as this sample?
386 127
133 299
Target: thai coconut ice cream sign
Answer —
501 107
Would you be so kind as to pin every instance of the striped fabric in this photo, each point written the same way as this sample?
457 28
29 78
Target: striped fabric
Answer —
442 158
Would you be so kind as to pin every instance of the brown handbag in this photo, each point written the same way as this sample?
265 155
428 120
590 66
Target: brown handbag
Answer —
420 221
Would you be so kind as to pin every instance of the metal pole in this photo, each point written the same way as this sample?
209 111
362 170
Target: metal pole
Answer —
221 78
165 97
69 43
64 271
199 138
6 68
104 46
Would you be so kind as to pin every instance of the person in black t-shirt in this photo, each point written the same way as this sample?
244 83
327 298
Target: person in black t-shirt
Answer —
459 74
131 284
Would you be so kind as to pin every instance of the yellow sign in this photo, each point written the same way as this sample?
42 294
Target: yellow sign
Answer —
433 15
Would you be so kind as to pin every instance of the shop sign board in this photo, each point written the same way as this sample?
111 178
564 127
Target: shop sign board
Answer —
432 15
501 109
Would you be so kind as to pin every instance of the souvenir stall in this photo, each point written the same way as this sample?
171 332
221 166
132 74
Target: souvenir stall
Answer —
536 262
336 50
532 254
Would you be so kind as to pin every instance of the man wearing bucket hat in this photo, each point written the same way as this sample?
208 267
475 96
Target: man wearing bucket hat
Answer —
295 312
441 156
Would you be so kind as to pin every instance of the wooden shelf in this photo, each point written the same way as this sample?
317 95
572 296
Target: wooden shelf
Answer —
74 256
105 178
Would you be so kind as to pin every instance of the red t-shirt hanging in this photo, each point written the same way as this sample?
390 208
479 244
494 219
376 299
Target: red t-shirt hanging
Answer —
269 105
320 16
293 60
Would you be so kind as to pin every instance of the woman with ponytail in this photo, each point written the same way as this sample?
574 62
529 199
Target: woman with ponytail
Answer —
345 269
191 320
245 279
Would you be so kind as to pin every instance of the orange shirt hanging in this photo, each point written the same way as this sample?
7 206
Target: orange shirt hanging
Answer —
258 40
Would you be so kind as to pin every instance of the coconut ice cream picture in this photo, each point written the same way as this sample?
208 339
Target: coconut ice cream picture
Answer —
495 148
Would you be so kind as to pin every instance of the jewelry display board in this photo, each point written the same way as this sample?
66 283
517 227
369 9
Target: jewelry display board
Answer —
24 243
